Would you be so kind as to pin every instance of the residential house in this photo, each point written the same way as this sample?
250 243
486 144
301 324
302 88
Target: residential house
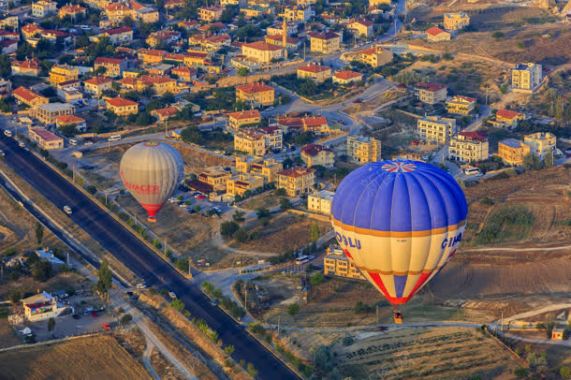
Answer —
73 11
320 202
257 142
335 263
98 85
297 13
215 177
29 97
262 52
256 93
41 307
236 120
526 77
507 118
363 149
210 14
541 144
435 34
361 28
266 168
44 8
460 105
117 36
164 114
512 151
469 147
47 113
163 36
63 73
27 67
324 42
347 77
314 71
240 184
436 129
121 106
113 66
431 93
317 155
374 56
315 124
45 139
64 121
456 21
296 181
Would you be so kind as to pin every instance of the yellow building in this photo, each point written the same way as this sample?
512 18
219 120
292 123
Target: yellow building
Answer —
469 147
296 181
48 113
63 73
363 149
541 144
44 8
456 21
97 85
239 184
335 263
29 97
72 10
361 28
297 13
526 77
435 34
324 42
256 93
431 93
460 105
377 3
347 77
40 307
121 106
113 66
374 56
215 177
161 84
257 142
262 52
317 155
236 120
210 14
436 129
314 71
509 118
268 169
320 202
513 151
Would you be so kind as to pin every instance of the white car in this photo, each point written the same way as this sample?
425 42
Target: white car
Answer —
8 133
67 210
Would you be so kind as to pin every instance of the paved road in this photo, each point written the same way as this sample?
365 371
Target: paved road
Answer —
139 258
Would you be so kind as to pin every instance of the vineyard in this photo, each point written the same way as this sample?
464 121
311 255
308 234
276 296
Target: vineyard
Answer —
428 353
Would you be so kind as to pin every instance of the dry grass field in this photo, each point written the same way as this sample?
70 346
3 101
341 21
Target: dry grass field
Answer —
99 357
444 353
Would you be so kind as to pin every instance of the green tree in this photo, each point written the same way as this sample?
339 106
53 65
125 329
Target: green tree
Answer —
314 232
228 229
281 192
51 324
243 71
262 213
285 204
242 235
177 304
125 319
548 160
521 372
316 279
565 372
42 270
252 370
238 216
293 309
39 233
105 279
5 66
192 135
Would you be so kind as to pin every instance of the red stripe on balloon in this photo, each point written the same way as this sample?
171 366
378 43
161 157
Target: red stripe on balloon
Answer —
346 252
392 300
151 209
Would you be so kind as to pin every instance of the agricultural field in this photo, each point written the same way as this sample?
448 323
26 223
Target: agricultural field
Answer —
99 357
423 352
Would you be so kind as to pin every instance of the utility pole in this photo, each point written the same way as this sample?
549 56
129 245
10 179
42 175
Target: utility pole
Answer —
246 296
279 318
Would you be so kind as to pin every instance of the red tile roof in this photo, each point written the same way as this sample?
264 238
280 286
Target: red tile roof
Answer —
108 61
295 172
434 31
120 102
347 74
252 88
475 136
430 86
98 80
45 134
262 45
242 115
314 68
69 119
323 35
314 149
508 114
25 93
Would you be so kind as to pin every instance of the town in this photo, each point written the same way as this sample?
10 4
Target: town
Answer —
237 264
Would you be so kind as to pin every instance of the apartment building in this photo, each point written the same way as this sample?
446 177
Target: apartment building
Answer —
324 42
44 8
97 85
239 184
256 93
256 142
320 202
239 119
262 52
113 67
526 77
268 168
469 147
29 97
335 263
48 113
541 144
317 155
121 106
431 93
315 72
296 181
363 149
461 105
63 73
214 177
455 21
436 129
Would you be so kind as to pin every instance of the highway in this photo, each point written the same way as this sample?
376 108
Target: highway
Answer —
139 258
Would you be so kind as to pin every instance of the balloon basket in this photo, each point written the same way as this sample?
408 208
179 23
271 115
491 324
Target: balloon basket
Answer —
397 317
151 219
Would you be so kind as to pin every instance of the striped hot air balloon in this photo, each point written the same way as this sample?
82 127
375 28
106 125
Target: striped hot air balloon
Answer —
151 171
399 222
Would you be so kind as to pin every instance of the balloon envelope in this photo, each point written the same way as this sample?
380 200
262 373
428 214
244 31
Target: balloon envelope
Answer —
399 222
151 172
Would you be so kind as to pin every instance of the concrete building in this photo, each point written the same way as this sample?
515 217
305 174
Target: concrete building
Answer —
262 52
347 77
507 118
315 72
29 97
361 28
27 67
256 93
268 169
296 181
78 123
468 147
541 144
239 184
297 13
257 142
97 85
215 177
431 93
455 21
317 155
41 307
48 113
44 8
436 129
45 139
121 106
526 77
461 105
63 73
113 67
239 119
512 151
320 202
335 263
377 3
435 34
374 56
324 42
363 149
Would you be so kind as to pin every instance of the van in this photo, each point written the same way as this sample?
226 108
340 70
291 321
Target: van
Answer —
72 142
114 138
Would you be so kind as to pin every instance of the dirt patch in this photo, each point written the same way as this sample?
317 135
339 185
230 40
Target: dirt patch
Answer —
8 337
99 357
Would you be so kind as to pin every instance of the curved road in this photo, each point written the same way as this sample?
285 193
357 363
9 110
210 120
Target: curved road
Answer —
139 258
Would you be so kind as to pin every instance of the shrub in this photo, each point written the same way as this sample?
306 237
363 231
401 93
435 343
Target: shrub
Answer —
348 340
228 229
177 304
293 309
125 319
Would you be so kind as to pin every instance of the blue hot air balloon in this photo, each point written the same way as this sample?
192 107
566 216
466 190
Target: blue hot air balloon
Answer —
399 222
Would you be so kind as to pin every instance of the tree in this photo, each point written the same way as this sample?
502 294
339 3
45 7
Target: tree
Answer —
125 319
242 235
565 372
42 271
285 204
262 213
39 233
293 309
252 370
144 119
314 232
316 279
5 66
238 216
228 229
192 135
51 324
105 278
521 372
548 160
243 71
177 304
